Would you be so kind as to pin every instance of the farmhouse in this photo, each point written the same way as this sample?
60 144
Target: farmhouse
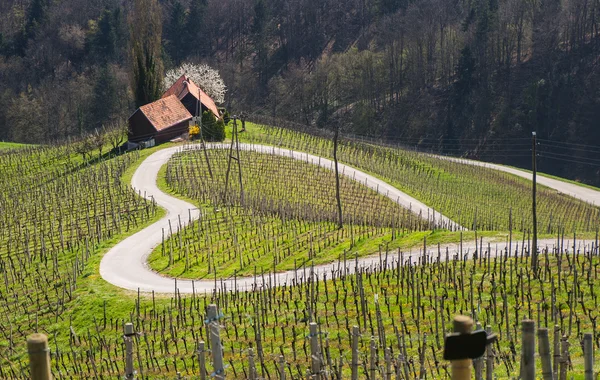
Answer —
170 116
189 94
162 120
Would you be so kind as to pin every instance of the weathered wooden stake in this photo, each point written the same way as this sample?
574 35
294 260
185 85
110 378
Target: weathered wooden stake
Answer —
315 352
564 359
201 360
281 367
478 363
489 361
461 369
252 370
557 355
215 342
544 350
127 337
528 350
39 357
355 335
373 364
588 353
388 364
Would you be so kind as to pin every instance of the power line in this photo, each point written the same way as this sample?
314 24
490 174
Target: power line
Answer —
572 161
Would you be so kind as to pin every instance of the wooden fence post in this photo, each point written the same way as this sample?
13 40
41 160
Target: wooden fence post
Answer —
489 360
564 359
315 352
201 360
388 364
461 369
215 342
373 364
39 357
127 337
544 350
355 335
281 367
478 363
557 355
528 350
251 364
588 353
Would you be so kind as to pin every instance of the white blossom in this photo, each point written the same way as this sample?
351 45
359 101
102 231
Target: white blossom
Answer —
207 78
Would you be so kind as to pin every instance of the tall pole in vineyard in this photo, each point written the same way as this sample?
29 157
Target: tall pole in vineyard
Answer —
534 253
237 158
337 177
199 122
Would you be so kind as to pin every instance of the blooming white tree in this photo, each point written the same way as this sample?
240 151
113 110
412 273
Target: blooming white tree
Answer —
207 78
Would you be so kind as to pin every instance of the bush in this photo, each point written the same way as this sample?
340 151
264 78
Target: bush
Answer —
212 129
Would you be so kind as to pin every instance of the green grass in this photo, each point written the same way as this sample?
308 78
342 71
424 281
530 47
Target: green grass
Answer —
11 145
44 183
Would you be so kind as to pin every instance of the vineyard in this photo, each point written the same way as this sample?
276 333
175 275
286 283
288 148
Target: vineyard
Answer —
288 217
59 213
475 197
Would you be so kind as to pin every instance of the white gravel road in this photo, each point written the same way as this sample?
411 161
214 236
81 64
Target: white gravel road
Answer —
125 265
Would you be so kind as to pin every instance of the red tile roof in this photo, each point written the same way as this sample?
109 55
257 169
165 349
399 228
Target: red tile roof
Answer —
165 112
184 86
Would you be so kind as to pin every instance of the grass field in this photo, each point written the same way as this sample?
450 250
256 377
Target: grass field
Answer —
11 145
59 213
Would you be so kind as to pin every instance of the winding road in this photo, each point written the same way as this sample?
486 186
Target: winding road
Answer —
125 265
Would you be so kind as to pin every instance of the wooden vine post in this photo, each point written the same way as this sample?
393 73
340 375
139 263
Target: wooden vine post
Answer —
39 357
212 320
545 354
201 360
127 337
461 369
355 335
588 353
315 351
528 350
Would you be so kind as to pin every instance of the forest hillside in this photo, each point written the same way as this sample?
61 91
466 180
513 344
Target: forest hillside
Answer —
461 77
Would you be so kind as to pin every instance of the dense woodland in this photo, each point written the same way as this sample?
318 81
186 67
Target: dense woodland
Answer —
456 76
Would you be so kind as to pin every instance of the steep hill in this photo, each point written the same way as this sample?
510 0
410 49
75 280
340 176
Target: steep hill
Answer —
461 77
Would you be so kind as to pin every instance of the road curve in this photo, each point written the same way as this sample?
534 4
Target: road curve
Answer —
125 265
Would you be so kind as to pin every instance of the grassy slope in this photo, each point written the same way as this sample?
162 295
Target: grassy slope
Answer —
465 193
11 145
92 293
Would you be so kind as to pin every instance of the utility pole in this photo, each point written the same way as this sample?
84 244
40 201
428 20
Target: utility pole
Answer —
337 177
534 252
230 157
199 123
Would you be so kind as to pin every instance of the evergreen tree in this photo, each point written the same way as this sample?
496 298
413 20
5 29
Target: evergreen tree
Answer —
35 17
146 49
104 42
176 31
195 36
259 37
212 129
105 104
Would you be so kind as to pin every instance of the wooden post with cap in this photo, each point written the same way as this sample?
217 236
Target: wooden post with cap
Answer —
461 369
127 337
39 357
